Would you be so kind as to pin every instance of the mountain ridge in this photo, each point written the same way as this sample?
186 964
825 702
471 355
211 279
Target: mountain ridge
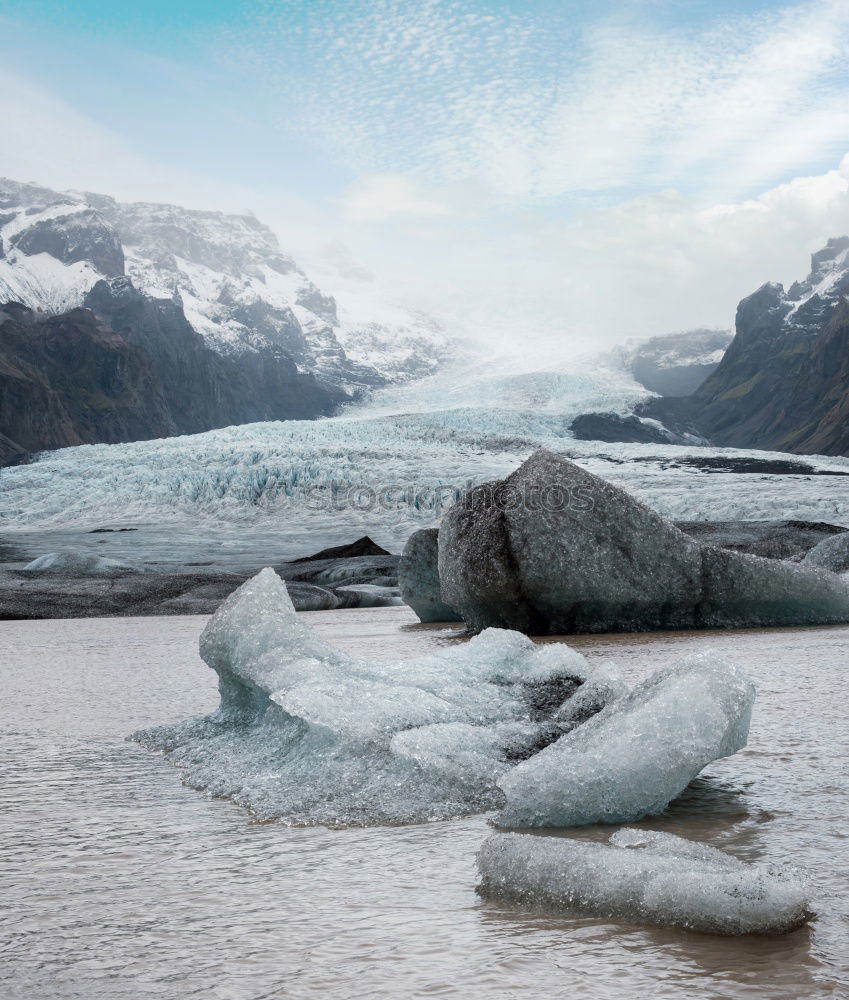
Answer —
783 383
237 288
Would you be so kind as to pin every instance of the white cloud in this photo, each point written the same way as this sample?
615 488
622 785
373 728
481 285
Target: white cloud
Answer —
537 107
548 289
544 205
378 197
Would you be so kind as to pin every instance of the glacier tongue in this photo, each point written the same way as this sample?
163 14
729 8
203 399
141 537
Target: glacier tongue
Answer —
643 877
309 735
631 759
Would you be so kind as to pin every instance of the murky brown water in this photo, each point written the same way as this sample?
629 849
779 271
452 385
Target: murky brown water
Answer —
117 882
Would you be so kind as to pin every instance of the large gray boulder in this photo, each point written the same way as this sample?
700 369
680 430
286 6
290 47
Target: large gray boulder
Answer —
555 549
418 577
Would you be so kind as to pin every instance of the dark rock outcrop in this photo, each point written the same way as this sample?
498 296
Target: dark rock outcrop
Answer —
129 368
79 236
783 384
361 547
613 427
555 549
68 379
418 577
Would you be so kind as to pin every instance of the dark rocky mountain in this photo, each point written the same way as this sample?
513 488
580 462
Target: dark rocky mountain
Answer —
127 367
131 321
783 384
238 290
676 364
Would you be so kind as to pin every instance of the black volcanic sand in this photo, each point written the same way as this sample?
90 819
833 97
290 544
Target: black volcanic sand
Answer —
190 573
185 584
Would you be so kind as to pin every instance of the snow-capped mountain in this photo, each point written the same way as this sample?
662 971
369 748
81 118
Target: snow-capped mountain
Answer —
238 290
783 383
676 364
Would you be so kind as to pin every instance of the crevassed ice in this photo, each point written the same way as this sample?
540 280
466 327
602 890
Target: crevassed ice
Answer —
631 759
308 734
644 877
443 430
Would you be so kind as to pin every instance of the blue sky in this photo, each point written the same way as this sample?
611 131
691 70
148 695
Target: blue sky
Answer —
311 94
436 132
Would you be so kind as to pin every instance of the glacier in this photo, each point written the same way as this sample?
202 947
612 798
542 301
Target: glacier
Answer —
297 481
644 877
639 753
306 734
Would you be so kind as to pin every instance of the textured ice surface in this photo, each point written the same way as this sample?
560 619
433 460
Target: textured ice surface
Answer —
71 563
644 877
555 549
831 554
310 735
457 428
631 759
418 577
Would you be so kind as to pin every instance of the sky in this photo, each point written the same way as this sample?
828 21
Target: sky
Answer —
546 176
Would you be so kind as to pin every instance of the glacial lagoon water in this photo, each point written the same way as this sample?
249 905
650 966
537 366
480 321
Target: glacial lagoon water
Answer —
116 881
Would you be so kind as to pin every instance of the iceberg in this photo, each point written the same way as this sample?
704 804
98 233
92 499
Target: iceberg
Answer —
418 577
637 754
643 877
309 735
555 549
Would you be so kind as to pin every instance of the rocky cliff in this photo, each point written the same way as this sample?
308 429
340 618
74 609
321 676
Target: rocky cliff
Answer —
126 367
238 289
783 384
132 321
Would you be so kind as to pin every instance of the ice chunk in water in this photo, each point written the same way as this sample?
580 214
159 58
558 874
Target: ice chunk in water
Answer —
311 735
631 759
643 877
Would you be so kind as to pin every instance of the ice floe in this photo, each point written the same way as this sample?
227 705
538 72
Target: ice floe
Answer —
309 734
643 877
631 759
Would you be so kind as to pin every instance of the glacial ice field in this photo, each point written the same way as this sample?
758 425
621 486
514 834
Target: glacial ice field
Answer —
389 466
